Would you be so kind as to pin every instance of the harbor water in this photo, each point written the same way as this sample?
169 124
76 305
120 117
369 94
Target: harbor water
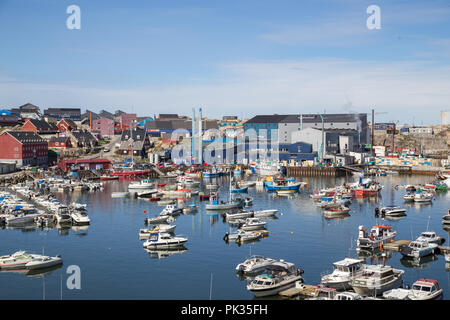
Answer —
114 264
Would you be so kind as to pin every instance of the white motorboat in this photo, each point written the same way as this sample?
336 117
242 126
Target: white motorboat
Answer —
232 215
160 220
252 224
278 276
254 264
264 213
378 236
376 279
423 197
80 217
171 210
418 249
163 241
24 260
147 193
408 197
391 211
431 237
143 184
425 289
21 217
163 228
446 219
447 257
241 236
344 272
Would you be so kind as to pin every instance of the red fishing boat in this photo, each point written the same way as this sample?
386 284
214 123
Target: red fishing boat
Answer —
107 178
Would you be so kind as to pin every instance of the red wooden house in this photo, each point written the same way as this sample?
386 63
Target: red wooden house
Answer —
23 148
39 126
60 142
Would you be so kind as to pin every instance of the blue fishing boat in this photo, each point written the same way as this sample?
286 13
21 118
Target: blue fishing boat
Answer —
239 190
282 185
215 204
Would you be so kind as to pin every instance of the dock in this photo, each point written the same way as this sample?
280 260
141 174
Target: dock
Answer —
395 245
305 290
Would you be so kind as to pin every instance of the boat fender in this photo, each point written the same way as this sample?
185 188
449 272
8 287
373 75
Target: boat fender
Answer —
238 238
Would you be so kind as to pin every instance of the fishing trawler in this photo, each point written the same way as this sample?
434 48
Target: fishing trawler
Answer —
378 235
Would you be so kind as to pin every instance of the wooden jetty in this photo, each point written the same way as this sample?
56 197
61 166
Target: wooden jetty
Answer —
305 290
396 245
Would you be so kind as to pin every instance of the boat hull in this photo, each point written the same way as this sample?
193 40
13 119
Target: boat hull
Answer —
376 290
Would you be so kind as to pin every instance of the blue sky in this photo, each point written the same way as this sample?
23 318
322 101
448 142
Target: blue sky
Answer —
229 57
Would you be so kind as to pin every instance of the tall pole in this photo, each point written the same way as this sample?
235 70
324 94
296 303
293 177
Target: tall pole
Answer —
373 133
323 139
200 137
193 135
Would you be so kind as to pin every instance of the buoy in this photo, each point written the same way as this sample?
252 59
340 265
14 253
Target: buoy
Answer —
273 233
292 232
144 211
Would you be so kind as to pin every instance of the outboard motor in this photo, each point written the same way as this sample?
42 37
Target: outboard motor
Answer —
226 237
377 212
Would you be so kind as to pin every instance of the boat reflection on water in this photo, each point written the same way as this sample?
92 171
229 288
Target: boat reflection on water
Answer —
341 217
164 253
374 256
34 272
80 230
418 263
447 266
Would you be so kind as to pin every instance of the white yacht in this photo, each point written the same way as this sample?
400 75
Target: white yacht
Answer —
344 272
21 217
164 241
159 219
238 214
254 264
265 213
278 276
376 279
252 224
24 260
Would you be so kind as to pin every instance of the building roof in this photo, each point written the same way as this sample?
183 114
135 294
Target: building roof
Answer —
106 114
69 122
42 125
137 134
274 118
26 137
83 136
64 112
29 107
168 115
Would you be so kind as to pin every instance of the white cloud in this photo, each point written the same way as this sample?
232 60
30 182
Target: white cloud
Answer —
403 89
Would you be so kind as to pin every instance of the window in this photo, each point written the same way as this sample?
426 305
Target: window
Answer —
16 149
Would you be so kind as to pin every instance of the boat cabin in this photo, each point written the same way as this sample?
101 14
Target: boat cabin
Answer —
348 265
347 296
429 236
426 285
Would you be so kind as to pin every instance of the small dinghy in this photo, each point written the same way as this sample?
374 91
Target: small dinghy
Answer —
120 194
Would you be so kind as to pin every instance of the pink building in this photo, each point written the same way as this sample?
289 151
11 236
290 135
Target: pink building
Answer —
103 126
125 119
